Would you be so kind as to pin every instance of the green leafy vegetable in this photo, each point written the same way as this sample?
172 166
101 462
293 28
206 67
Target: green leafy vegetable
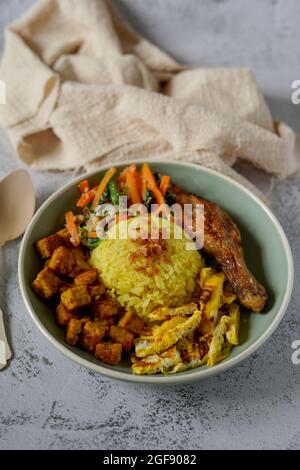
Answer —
170 198
157 177
148 198
113 191
105 196
83 232
92 243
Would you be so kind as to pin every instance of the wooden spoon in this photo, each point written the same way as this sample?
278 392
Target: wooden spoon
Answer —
5 352
17 203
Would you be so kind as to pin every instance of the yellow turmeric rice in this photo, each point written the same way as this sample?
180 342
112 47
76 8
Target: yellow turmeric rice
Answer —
147 274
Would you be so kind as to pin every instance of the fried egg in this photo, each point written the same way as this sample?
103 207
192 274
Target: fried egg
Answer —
190 354
210 298
232 333
167 362
167 334
225 336
228 296
166 313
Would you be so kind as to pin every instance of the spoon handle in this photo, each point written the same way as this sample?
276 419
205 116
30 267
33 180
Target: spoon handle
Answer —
5 352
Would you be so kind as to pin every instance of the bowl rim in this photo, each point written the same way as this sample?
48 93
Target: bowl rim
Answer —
197 373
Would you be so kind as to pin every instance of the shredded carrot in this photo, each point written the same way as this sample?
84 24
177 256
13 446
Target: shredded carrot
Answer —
102 186
164 184
148 175
136 174
72 228
158 196
121 180
133 185
151 184
143 185
84 186
85 198
144 189
133 188
92 235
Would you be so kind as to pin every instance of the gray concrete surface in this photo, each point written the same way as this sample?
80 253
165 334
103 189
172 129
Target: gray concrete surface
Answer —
49 402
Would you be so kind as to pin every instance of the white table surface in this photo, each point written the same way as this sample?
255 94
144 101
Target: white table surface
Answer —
49 402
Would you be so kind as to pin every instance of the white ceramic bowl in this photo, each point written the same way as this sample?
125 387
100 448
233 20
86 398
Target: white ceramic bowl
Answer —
266 249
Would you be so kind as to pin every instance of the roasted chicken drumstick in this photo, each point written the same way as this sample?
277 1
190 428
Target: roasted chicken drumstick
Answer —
222 240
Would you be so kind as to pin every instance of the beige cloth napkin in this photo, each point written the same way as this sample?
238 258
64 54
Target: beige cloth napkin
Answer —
84 89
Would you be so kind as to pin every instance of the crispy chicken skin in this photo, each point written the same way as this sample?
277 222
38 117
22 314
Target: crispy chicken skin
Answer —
222 240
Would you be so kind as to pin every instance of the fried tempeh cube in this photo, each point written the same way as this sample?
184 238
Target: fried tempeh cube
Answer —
106 323
124 337
110 353
62 261
65 235
46 246
96 291
131 322
91 335
105 308
81 263
65 286
85 319
46 284
76 297
86 278
63 316
73 331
